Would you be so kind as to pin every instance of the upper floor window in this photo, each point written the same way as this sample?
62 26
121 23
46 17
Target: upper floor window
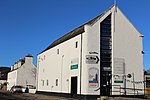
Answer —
56 82
44 57
47 83
42 82
57 51
76 45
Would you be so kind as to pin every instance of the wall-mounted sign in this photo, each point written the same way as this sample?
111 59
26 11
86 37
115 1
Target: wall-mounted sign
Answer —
74 63
93 77
118 81
119 66
72 67
92 59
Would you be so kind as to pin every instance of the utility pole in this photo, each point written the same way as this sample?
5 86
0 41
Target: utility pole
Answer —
115 2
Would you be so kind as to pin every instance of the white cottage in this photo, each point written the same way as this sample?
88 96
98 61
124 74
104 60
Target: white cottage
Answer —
101 57
23 73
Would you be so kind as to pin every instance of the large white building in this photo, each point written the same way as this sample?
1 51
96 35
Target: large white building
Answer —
101 57
23 73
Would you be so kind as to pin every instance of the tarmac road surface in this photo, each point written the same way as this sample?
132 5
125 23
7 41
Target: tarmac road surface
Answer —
4 95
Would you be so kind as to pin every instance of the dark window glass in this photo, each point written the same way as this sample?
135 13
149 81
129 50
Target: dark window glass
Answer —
105 47
76 45
105 25
106 22
105 43
47 83
42 82
106 59
103 39
105 34
105 64
56 82
105 55
57 51
106 51
147 82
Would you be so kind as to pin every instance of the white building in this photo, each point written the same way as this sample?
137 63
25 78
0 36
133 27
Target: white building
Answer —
97 58
23 73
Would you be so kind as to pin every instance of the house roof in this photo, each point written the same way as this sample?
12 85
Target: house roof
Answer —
147 72
76 31
3 72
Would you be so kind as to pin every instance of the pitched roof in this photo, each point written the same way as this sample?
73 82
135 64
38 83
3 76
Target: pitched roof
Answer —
147 72
76 31
3 72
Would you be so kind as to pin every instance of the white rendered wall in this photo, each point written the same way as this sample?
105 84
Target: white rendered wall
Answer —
27 73
91 44
12 79
50 63
127 45
52 66
24 75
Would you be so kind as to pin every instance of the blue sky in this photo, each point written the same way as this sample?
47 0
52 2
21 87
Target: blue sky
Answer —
29 26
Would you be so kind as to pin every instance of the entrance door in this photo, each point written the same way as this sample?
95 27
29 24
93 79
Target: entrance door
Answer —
105 84
73 86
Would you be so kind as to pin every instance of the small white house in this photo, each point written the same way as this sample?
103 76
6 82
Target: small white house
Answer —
23 73
101 57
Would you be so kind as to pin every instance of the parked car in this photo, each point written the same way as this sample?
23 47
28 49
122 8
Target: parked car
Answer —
16 89
31 87
25 89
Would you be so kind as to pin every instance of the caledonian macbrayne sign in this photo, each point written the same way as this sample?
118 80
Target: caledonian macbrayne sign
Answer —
72 67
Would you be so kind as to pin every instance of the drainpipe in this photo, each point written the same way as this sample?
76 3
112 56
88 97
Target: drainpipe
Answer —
37 73
81 64
62 71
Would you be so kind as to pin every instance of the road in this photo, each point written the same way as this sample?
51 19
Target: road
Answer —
4 95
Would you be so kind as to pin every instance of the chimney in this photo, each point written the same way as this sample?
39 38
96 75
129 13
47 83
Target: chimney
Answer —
29 58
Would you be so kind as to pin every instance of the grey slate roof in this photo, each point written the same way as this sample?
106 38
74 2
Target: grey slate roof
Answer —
147 72
4 72
76 31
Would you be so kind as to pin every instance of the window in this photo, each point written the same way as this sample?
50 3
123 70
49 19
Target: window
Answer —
106 51
76 45
147 82
56 82
44 57
105 47
47 83
42 82
57 51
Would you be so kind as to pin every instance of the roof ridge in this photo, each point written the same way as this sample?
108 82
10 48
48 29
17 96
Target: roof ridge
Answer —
76 31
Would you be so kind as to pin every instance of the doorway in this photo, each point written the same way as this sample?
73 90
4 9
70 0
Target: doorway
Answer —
105 84
73 86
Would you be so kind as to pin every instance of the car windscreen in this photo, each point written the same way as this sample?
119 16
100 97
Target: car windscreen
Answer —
18 87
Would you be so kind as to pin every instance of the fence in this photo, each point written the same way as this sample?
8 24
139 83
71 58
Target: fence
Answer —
118 90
